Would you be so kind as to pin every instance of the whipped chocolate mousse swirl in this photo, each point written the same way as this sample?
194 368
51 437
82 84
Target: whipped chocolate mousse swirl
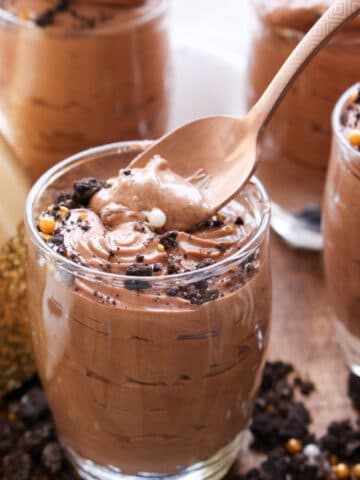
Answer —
108 225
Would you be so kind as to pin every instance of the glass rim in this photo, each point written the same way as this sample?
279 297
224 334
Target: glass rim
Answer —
335 121
69 266
145 13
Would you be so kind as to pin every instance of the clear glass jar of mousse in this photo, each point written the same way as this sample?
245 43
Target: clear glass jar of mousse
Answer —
296 145
65 89
341 226
147 386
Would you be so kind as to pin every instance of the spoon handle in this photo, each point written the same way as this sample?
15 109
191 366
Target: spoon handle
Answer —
339 13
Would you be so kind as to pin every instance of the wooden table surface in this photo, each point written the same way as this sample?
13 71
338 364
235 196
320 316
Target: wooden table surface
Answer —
303 334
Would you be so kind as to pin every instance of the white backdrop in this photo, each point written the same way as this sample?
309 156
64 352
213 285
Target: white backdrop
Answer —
219 24
210 42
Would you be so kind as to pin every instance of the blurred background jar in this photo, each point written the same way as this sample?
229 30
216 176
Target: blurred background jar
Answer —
341 225
295 149
80 73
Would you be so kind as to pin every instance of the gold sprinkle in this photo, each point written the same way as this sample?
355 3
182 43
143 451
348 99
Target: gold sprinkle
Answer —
229 229
83 216
353 96
294 445
46 237
354 137
24 15
234 269
341 470
161 248
356 470
47 224
64 210
220 216
111 181
11 417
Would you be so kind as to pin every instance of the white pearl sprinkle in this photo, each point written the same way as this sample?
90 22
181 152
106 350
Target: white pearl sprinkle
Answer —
157 218
311 450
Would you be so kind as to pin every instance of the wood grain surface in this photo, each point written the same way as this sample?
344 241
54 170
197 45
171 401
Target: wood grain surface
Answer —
303 334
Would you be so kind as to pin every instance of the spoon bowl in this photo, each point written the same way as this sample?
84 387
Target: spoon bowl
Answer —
201 166
220 153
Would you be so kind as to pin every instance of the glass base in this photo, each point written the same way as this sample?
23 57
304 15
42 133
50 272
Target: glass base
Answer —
214 468
299 230
350 345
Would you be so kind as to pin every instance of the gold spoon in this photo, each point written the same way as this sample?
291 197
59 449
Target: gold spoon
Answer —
225 149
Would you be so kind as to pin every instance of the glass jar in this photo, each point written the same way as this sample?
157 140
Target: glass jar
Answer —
341 227
296 145
98 75
140 382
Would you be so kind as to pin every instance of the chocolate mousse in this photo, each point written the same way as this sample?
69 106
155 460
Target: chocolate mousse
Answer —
151 358
296 145
342 224
79 73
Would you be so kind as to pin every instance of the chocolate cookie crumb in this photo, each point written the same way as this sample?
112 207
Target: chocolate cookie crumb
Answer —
199 293
306 386
84 189
17 466
47 17
33 405
342 440
169 240
157 267
57 239
173 291
139 258
31 450
239 221
139 270
139 227
63 200
52 458
172 267
277 417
